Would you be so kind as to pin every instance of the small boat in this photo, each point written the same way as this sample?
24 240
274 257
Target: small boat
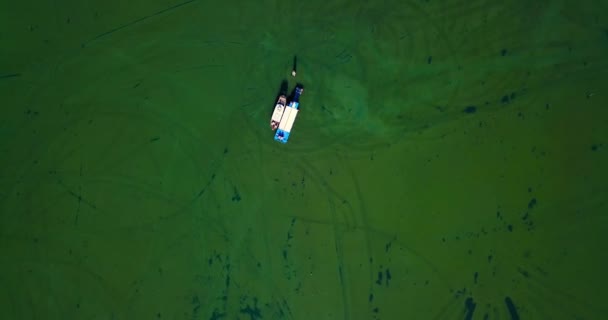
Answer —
279 109
289 116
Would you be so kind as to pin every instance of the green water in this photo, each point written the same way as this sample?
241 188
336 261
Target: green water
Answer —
448 162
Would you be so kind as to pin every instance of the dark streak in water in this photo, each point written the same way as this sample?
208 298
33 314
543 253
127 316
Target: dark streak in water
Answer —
216 315
206 186
511 308
77 196
469 307
237 196
470 109
379 281
253 312
137 21
11 75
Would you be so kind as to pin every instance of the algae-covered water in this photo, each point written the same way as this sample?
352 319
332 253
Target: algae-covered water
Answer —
448 161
